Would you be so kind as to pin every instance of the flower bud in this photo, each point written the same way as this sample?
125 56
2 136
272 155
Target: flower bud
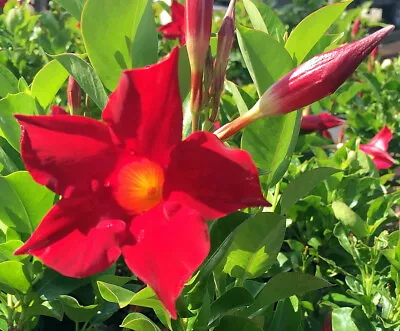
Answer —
198 21
225 40
74 96
320 122
372 58
311 81
355 29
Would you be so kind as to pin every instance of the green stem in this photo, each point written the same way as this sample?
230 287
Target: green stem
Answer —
276 196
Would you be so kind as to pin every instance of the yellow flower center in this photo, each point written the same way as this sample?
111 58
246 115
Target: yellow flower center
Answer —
139 186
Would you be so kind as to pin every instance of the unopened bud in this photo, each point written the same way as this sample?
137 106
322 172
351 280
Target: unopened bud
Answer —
355 29
74 95
225 40
311 81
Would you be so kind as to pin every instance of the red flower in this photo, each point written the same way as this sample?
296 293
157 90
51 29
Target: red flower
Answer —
320 122
3 3
176 28
377 149
130 186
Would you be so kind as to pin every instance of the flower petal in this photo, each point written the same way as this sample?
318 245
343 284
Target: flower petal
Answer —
382 139
211 178
381 158
145 110
78 237
66 153
171 241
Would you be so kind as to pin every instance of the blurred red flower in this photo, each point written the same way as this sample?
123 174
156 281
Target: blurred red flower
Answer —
176 28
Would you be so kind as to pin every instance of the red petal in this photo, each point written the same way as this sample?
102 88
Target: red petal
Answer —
177 11
66 153
211 178
77 237
320 122
145 111
382 139
171 241
380 157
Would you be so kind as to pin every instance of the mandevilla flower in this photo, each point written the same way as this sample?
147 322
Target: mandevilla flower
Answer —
131 186
176 28
320 122
311 81
377 149
225 40
198 21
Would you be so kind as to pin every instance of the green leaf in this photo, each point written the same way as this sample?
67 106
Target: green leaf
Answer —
9 158
307 33
234 298
23 202
265 58
361 320
350 219
255 246
271 142
263 18
119 35
7 250
114 293
85 76
282 286
242 100
341 320
13 276
184 72
139 322
20 103
48 82
75 311
53 284
74 7
47 308
236 323
8 82
147 298
303 185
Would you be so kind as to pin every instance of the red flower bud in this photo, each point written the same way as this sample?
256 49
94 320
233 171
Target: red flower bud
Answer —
198 21
311 81
377 149
355 29
74 96
320 122
225 40
372 59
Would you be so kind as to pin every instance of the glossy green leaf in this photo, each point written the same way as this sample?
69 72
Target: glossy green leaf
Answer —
75 311
147 298
350 219
236 323
255 246
48 82
361 320
271 142
242 99
74 7
85 76
23 202
9 158
303 185
12 275
8 82
282 286
307 33
7 250
184 72
125 38
234 298
114 293
47 308
265 58
265 19
20 103
139 322
341 320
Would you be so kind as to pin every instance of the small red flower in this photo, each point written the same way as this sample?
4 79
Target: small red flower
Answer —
131 186
320 122
176 28
377 149
3 3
